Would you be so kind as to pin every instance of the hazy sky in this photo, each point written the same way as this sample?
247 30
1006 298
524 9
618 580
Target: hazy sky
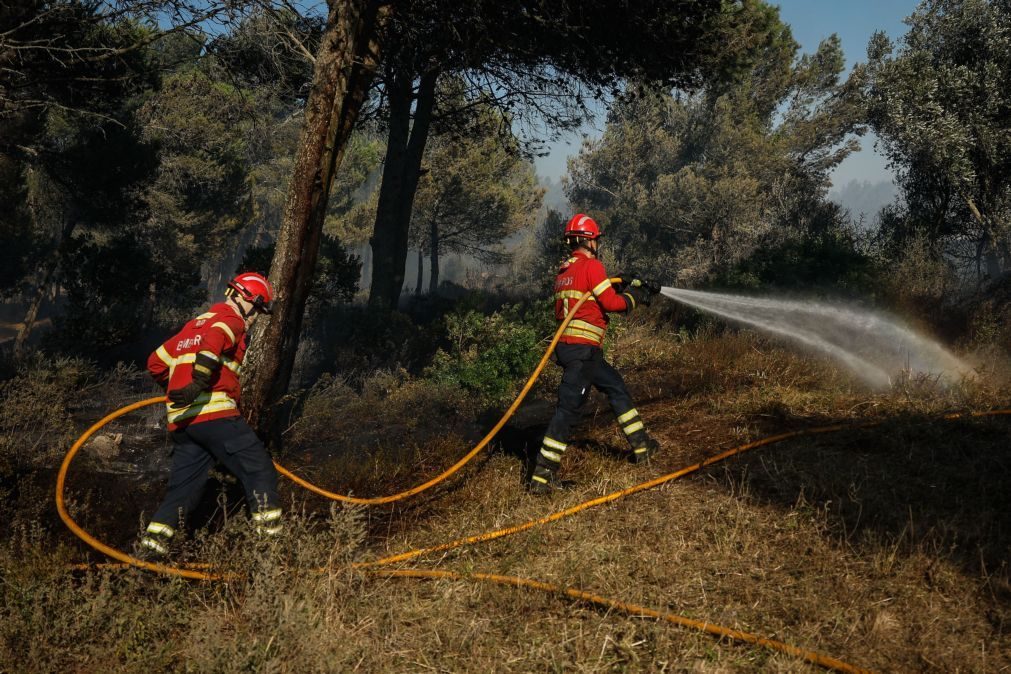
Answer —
811 21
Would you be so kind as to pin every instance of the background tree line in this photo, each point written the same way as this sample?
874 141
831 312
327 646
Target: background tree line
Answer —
149 148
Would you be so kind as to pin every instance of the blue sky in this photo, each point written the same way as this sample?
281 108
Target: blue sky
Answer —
811 21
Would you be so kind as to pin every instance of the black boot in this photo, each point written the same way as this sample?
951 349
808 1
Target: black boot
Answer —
154 545
644 449
541 480
549 458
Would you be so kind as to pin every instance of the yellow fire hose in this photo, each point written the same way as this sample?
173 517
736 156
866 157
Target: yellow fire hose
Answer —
633 610
377 500
195 572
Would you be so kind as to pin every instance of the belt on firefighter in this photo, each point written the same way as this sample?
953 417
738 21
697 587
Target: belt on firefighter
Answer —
584 330
207 402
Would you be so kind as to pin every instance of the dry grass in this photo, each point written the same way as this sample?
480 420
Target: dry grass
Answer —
886 547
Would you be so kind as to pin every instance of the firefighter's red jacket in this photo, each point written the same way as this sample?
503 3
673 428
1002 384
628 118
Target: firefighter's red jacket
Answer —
578 275
219 334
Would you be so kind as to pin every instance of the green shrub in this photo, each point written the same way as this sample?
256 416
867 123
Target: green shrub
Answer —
35 422
489 355
829 260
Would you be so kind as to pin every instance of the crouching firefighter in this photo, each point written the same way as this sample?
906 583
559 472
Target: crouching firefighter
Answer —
579 350
199 368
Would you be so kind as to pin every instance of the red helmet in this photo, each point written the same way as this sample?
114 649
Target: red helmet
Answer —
254 288
582 227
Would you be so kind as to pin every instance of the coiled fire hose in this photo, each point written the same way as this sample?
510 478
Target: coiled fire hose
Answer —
378 500
194 571
302 482
203 572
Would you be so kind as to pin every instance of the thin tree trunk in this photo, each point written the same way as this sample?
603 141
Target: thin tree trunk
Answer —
401 171
996 248
421 271
32 315
25 331
345 66
433 242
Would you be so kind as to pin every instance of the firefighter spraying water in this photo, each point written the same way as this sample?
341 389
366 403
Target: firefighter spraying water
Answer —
579 350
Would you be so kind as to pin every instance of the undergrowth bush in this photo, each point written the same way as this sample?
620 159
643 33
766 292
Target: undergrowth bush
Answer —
285 606
334 410
489 355
919 280
35 421
833 260
38 402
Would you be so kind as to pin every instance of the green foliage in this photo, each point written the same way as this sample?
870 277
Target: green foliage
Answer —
115 290
537 259
255 52
475 190
690 184
200 195
942 108
69 57
337 270
835 259
489 354
351 211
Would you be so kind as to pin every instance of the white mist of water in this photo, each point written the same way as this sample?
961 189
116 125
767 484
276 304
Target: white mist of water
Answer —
873 346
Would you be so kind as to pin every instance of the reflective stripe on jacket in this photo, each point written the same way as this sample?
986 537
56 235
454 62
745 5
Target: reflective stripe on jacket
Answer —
219 334
578 275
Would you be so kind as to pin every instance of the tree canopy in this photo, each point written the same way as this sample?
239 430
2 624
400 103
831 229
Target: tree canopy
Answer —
689 183
941 104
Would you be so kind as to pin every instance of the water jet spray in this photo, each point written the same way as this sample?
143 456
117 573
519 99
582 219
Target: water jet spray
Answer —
874 346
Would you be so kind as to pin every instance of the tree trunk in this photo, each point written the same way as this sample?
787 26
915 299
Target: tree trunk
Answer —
32 315
401 171
433 236
994 244
421 271
345 66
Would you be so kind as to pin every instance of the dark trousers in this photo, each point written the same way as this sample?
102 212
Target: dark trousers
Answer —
585 367
197 447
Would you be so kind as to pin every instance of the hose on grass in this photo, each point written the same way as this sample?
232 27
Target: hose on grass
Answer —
634 610
302 482
202 572
417 489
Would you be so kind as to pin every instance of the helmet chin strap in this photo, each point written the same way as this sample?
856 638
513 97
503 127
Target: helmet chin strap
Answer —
245 314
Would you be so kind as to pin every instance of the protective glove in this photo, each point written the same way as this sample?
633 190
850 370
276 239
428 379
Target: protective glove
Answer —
184 397
204 368
638 294
650 286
